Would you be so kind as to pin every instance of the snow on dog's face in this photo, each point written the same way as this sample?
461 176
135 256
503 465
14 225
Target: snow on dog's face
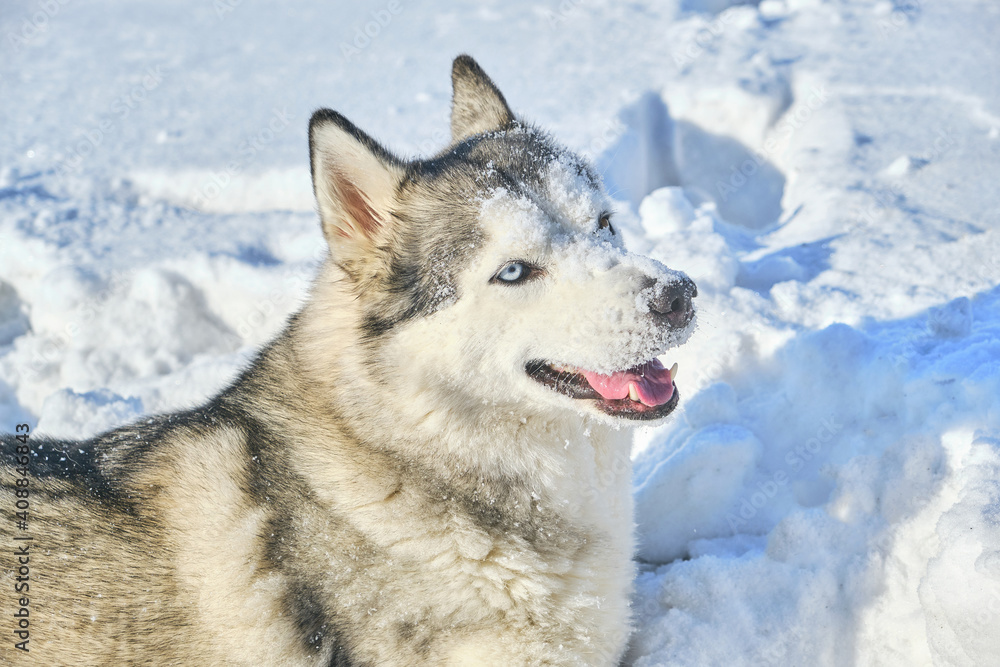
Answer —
493 275
579 319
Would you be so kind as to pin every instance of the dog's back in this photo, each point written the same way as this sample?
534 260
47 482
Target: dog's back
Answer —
89 564
173 540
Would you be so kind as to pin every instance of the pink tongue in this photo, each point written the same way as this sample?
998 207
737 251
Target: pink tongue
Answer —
652 383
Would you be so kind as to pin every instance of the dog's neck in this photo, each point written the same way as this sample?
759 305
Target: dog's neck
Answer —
459 444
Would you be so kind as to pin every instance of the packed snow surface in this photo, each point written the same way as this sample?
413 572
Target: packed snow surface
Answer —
829 491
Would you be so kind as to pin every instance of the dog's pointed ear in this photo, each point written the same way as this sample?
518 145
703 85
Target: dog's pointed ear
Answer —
477 105
354 180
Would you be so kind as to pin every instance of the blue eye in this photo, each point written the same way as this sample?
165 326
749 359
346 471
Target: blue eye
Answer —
515 272
512 272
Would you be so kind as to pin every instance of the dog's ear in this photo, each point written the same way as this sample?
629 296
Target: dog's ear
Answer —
476 104
354 180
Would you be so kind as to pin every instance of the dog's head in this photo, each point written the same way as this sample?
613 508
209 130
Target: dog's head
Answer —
493 274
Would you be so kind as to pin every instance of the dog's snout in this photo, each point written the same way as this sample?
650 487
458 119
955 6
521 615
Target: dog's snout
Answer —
672 302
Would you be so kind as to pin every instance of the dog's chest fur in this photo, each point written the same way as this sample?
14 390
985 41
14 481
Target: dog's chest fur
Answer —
283 531
491 568
312 542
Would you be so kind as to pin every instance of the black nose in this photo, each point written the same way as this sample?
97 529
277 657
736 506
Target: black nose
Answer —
672 301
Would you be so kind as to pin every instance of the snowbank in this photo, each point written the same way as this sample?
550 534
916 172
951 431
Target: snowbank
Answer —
825 171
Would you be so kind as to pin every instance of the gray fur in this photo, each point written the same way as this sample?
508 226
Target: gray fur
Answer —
348 500
477 106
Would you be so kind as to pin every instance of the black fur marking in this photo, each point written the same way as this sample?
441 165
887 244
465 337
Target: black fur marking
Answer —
436 221
417 634
276 536
504 506
302 601
315 627
324 116
421 278
341 658
375 326
268 476
73 462
406 630
304 606
260 463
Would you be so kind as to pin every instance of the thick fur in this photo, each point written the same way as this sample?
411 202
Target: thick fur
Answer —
385 484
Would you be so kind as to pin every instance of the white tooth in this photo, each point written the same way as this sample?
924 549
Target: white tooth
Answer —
632 392
673 371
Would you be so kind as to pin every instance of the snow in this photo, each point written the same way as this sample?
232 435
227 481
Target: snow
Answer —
829 491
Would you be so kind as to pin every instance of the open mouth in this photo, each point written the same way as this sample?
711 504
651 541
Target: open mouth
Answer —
646 391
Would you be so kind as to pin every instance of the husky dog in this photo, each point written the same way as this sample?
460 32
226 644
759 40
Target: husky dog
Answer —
427 467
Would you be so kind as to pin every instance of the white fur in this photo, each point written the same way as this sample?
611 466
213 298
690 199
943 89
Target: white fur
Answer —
459 397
